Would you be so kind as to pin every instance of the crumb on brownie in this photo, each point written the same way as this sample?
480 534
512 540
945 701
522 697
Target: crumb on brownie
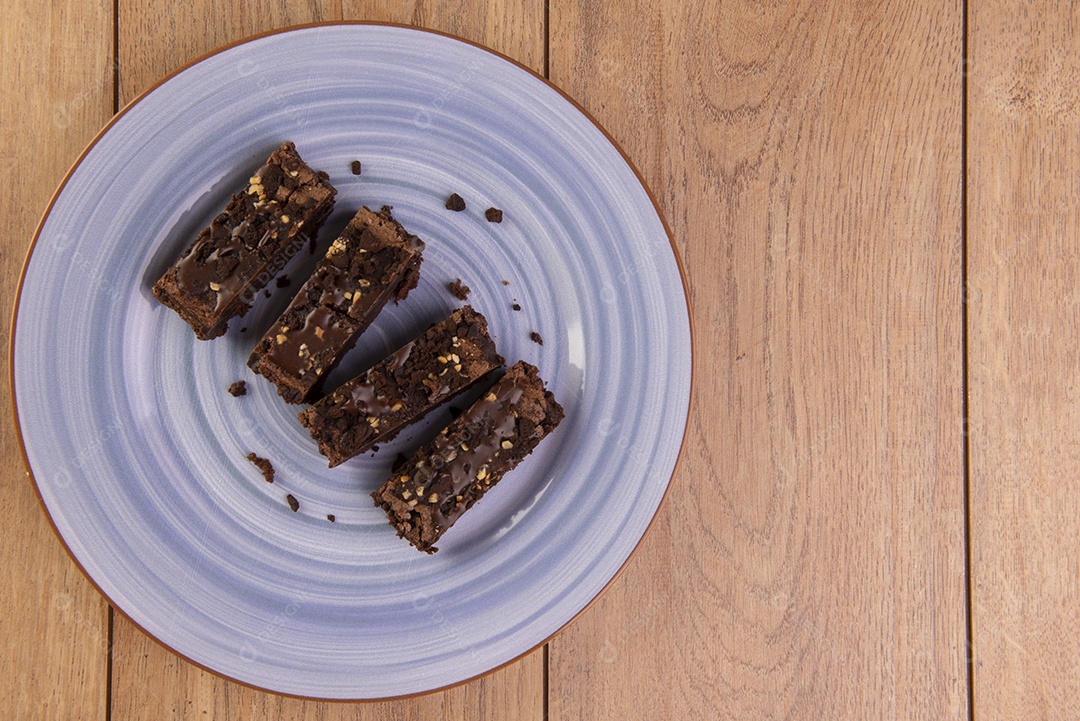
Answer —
239 388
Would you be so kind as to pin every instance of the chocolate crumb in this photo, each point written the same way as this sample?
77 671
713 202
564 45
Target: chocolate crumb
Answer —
283 282
243 330
293 503
494 215
355 167
239 388
330 517
323 174
266 293
455 203
263 465
375 448
515 306
535 338
460 290
399 461
454 411
506 282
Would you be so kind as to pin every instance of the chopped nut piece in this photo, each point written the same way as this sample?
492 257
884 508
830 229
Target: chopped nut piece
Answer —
214 286
280 338
507 445
433 498
490 397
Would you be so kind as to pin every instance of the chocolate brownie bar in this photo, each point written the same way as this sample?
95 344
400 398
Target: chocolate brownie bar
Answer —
245 246
373 261
448 358
451 473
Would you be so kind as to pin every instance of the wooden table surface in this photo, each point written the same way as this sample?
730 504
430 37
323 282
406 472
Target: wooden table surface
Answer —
877 512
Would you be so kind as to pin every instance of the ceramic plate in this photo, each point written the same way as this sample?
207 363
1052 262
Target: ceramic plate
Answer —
139 453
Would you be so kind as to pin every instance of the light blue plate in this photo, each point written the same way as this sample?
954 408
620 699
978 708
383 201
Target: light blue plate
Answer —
139 453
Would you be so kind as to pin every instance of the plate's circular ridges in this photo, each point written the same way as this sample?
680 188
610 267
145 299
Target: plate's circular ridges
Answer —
138 450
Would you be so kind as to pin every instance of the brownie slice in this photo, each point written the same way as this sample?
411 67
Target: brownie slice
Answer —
447 359
249 243
373 261
448 475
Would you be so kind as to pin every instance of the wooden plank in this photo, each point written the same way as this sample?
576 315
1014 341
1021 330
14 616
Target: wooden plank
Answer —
1024 378
56 91
810 560
149 682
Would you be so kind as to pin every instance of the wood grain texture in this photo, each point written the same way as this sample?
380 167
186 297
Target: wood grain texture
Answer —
149 682
810 560
1024 375
56 90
